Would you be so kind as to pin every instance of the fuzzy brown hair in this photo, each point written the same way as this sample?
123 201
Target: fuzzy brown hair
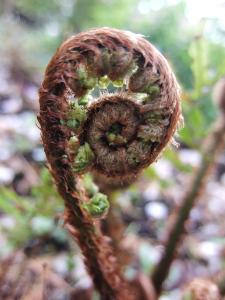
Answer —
113 53
120 133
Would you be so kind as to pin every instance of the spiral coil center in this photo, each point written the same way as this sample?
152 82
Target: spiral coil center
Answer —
111 130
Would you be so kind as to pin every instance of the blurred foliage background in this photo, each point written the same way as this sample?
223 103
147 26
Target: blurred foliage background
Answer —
191 34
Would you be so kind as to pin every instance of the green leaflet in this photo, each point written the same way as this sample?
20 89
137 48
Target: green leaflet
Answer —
76 115
84 158
98 205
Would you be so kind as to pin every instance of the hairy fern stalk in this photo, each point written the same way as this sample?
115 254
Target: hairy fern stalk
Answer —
109 104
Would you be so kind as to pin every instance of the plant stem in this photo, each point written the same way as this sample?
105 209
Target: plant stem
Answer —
99 260
214 144
114 227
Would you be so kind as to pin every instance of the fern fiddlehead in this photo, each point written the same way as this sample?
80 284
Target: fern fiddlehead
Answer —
109 104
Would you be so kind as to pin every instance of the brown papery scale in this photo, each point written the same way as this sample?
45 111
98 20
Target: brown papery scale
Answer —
109 104
127 128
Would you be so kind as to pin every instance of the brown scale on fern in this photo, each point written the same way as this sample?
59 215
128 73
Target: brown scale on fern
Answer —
109 104
122 101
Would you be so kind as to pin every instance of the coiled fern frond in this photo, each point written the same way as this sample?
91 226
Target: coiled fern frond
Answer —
109 104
